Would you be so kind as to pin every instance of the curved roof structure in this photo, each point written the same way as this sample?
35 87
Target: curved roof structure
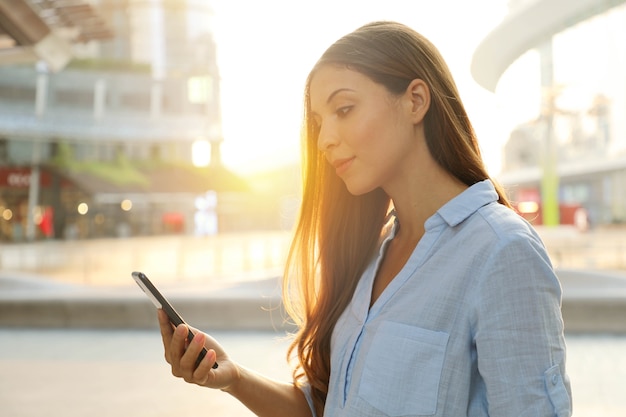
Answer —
526 27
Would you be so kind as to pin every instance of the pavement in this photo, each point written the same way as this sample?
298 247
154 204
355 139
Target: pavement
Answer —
72 350
68 372
593 301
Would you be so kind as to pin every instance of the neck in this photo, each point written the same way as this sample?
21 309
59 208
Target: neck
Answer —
420 198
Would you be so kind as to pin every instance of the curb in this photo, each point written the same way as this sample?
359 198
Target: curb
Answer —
593 302
252 305
127 313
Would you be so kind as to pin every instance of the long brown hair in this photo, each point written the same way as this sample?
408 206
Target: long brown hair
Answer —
337 233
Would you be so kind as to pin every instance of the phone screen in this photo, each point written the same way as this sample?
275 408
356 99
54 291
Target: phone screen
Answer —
160 301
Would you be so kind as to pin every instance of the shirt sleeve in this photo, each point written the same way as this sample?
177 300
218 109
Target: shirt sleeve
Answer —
518 333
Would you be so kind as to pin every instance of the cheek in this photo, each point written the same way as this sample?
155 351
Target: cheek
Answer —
368 135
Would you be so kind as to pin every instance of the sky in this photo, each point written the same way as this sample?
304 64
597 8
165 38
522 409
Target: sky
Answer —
266 49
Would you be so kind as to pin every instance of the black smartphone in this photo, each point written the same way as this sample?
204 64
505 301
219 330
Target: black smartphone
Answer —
160 302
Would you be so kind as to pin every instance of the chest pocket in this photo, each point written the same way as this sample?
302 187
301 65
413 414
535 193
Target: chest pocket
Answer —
403 370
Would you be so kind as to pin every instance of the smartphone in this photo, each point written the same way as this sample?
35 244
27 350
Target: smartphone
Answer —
160 302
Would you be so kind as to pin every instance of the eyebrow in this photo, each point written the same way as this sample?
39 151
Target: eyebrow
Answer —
334 93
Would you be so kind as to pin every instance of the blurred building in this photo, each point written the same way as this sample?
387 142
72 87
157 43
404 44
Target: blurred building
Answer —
569 146
104 107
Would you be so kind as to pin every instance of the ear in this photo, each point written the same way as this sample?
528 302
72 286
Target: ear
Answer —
418 95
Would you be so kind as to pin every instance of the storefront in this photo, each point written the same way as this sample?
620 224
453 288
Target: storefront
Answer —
77 205
15 185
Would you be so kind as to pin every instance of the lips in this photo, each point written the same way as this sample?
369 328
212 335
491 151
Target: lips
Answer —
342 165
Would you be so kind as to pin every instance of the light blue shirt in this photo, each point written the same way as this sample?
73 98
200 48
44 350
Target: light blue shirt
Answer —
471 325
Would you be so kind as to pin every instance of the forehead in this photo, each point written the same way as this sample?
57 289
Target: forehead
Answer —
329 79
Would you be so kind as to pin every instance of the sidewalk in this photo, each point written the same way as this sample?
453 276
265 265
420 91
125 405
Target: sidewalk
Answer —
26 301
593 301
118 373
73 350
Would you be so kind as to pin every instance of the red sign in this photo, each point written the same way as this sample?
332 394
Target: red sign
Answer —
20 178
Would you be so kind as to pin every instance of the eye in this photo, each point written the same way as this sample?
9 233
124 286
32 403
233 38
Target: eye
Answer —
343 111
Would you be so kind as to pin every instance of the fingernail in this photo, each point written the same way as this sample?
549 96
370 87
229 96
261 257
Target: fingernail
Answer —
199 339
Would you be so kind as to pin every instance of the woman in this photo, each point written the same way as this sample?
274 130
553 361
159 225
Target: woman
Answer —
418 291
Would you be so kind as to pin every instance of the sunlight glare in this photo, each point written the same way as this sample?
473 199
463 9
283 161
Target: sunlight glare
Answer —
201 153
263 75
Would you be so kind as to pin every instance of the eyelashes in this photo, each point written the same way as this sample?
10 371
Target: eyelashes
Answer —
343 111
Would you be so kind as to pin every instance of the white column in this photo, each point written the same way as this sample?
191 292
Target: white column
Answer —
99 99
41 99
33 192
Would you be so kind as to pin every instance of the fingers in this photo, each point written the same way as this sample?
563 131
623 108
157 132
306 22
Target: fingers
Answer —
174 340
202 371
179 353
182 353
164 321
167 330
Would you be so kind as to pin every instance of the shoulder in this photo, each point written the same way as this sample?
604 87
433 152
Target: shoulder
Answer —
505 222
502 227
515 249
517 274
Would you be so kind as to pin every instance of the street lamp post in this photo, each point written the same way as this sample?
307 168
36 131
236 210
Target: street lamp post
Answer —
549 178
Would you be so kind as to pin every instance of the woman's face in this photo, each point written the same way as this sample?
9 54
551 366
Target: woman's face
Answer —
366 133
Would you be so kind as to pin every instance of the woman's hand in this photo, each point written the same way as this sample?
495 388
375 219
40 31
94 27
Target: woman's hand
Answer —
182 354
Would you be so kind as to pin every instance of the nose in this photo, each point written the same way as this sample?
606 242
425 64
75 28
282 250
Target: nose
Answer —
327 138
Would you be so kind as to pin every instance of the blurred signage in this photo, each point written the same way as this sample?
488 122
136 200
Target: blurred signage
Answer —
20 178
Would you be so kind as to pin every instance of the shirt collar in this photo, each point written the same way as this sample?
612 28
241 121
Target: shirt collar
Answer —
464 205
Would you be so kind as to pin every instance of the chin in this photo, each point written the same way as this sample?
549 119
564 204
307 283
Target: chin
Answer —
357 189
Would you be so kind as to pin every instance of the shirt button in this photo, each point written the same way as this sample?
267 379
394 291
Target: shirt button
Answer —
555 379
